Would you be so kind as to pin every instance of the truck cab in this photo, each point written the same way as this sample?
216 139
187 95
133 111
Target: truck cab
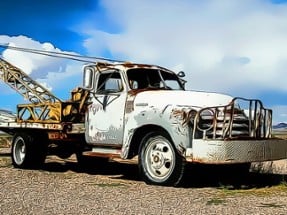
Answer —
112 91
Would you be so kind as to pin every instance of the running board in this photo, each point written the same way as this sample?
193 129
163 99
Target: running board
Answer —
104 152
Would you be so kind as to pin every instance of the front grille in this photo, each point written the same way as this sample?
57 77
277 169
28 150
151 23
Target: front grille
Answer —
241 119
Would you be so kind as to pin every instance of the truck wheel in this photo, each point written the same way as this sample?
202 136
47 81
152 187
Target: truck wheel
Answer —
159 162
27 152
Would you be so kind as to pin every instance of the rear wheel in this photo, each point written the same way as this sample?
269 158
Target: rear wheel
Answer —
159 162
28 151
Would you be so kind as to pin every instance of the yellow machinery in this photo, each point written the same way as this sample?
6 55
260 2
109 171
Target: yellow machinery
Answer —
44 107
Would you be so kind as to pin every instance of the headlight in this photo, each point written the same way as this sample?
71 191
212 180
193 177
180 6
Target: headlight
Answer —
206 114
206 119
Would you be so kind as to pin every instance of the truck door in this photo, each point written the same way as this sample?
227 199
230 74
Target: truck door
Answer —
105 118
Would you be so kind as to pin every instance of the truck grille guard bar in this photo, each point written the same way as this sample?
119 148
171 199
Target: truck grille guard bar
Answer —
252 121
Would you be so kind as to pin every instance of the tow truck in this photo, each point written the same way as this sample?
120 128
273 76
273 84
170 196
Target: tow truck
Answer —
126 110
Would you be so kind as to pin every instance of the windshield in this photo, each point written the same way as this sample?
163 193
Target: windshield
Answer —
152 78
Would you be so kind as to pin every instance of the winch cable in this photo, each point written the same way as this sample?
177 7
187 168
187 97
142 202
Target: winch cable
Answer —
65 55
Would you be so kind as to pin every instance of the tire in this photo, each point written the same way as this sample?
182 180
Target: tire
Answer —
159 162
28 151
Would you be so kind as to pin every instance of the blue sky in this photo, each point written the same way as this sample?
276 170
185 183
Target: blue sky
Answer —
234 47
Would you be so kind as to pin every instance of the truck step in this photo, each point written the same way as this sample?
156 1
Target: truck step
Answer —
104 152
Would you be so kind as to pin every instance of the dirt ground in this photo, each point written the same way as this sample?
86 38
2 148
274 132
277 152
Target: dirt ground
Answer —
61 187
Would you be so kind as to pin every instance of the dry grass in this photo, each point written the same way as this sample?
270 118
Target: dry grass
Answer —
224 194
280 133
263 191
5 141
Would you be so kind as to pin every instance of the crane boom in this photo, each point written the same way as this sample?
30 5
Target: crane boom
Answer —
44 106
23 84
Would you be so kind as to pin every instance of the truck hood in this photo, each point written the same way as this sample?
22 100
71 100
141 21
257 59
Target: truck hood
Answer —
196 99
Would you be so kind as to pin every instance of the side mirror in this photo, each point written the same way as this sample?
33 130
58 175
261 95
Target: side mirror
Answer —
89 74
181 74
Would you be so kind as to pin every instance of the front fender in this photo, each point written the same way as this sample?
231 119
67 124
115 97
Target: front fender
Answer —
175 120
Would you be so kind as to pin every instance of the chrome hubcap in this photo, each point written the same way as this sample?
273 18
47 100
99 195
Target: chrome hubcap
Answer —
160 159
19 151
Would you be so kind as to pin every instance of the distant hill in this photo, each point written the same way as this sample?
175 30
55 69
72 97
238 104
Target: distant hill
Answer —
281 125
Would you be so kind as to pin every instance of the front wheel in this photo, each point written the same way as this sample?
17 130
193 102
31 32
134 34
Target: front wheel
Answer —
159 162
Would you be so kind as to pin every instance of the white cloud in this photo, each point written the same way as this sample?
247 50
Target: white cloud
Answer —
27 61
236 47
222 45
50 72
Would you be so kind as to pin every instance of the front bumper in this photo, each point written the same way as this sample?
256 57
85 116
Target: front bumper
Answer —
236 151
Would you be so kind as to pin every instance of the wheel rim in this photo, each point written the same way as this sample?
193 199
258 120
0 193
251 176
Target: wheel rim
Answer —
160 159
19 151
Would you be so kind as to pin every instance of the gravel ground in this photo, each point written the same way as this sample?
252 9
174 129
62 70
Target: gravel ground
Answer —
60 187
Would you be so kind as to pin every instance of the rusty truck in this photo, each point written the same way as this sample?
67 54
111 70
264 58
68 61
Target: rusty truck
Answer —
128 110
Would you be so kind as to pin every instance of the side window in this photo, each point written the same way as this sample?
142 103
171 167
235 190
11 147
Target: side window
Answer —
110 83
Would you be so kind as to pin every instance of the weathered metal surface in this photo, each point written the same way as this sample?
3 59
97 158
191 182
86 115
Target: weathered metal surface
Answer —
56 135
222 122
69 128
145 116
16 125
170 110
44 107
48 112
105 114
51 112
104 152
236 151
184 115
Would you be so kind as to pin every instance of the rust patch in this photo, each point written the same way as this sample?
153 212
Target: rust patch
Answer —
103 155
129 106
57 136
184 115
134 92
